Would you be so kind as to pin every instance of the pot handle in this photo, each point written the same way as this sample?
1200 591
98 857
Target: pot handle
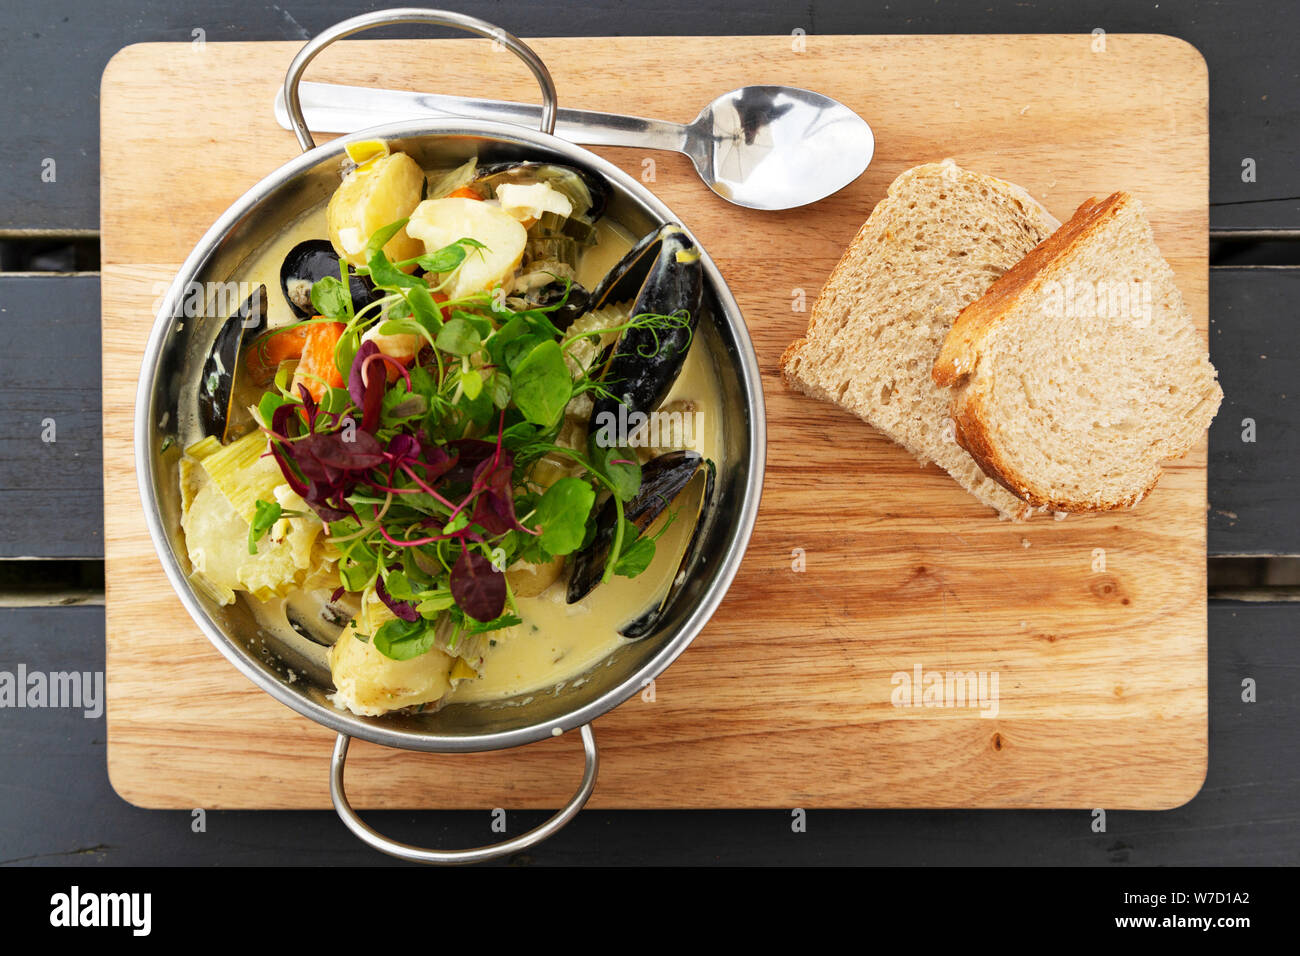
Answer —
415 854
442 18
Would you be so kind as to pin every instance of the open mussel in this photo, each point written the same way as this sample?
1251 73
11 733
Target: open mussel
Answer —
662 276
310 261
663 479
217 378
576 302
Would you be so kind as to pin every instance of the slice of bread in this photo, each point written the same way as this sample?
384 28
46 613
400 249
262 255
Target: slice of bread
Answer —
932 246
1079 370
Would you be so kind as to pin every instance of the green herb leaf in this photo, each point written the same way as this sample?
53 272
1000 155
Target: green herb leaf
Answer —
509 332
346 350
267 513
330 298
403 640
398 586
562 515
385 275
542 385
620 467
269 403
444 260
435 602
358 564
459 338
424 309
471 382
399 406
336 400
498 385
520 349
637 551
471 626
380 237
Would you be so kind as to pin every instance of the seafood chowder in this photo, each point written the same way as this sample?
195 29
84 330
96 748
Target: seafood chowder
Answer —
460 436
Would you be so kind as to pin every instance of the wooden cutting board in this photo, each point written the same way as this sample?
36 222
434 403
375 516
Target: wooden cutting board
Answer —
863 565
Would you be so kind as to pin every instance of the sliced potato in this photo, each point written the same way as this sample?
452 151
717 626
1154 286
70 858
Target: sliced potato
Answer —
440 222
529 580
370 197
368 683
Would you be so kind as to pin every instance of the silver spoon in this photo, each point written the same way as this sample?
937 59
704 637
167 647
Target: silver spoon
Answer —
763 147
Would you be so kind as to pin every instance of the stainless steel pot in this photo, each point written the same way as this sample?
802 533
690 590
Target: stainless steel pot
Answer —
166 399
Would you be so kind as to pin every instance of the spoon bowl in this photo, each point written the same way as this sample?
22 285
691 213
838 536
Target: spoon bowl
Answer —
778 147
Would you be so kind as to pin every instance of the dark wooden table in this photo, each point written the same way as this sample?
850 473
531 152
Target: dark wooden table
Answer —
56 804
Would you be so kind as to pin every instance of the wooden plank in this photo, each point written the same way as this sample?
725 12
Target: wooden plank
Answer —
50 466
58 806
1255 440
904 569
51 114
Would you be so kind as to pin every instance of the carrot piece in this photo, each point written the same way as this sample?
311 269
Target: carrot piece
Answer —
464 192
271 348
316 369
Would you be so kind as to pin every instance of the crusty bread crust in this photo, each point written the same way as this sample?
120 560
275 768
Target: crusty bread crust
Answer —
961 348
787 357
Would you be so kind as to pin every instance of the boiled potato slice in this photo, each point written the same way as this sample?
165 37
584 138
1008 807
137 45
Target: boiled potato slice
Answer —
370 197
529 580
369 684
440 222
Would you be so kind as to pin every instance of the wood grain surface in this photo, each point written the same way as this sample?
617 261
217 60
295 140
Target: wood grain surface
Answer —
785 699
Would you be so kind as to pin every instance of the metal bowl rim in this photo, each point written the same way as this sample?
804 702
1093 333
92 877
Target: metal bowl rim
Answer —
344 722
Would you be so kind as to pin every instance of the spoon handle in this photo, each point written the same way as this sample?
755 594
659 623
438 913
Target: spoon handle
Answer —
332 108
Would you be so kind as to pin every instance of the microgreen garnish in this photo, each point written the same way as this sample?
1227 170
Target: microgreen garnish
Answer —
267 514
424 472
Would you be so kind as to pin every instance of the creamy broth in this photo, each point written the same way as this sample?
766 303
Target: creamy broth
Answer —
557 643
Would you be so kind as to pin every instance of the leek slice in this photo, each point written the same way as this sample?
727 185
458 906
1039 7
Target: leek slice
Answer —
242 474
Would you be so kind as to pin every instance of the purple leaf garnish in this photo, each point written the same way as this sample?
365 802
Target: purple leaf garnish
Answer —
494 508
470 453
367 383
403 609
478 587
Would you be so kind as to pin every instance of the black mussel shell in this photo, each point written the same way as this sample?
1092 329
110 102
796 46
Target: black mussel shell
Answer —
217 378
310 261
576 303
588 192
661 275
663 478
